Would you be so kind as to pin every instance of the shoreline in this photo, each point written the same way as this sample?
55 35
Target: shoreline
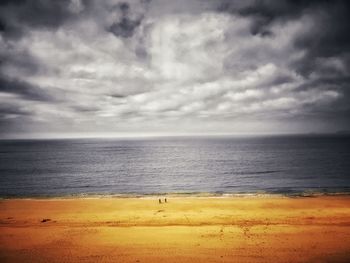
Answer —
178 195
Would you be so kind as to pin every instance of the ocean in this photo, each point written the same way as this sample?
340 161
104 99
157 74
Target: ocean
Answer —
213 165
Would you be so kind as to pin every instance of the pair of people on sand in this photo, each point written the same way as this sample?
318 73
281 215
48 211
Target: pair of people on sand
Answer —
160 200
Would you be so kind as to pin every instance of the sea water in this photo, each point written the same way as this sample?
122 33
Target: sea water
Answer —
268 164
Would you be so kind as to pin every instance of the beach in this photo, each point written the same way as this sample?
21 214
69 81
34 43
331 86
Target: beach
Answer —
246 228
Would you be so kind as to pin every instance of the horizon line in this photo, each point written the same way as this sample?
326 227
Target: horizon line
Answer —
43 136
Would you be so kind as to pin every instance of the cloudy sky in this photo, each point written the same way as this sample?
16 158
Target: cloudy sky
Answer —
112 67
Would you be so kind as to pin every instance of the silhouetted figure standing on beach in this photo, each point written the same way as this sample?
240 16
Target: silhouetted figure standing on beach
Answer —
165 200
160 201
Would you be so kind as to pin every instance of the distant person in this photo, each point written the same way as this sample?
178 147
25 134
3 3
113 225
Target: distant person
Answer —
160 201
165 200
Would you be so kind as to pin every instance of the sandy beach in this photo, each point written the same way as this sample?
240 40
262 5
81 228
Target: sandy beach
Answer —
185 229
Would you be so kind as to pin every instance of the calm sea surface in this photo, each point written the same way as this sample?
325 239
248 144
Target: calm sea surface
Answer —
174 165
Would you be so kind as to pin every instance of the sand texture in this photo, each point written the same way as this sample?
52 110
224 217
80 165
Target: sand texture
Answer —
186 229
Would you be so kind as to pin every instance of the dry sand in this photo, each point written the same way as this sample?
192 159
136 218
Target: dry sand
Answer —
186 229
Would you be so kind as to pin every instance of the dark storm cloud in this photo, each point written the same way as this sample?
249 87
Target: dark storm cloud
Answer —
125 26
7 109
19 15
265 12
22 60
328 37
341 84
24 90
84 108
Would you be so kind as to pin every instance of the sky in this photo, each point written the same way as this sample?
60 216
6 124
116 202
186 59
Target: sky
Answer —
110 67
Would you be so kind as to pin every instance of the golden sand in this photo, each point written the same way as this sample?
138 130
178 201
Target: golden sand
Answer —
186 229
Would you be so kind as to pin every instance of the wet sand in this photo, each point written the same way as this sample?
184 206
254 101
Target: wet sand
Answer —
186 229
